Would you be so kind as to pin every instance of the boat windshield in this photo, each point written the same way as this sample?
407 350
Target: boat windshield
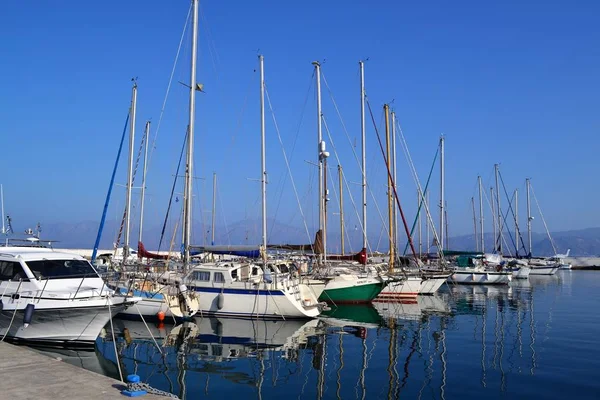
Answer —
61 269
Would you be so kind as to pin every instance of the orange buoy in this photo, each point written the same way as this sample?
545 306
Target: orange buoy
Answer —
160 315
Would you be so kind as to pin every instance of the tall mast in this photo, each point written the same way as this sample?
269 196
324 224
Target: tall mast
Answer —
187 210
499 211
263 162
475 224
481 214
517 220
364 152
395 213
529 217
214 209
494 224
341 179
419 197
427 227
322 154
146 138
442 189
2 202
126 250
386 110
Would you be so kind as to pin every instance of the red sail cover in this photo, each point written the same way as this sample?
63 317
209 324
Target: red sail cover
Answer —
143 253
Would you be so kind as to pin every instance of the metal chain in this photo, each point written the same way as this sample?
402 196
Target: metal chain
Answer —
132 387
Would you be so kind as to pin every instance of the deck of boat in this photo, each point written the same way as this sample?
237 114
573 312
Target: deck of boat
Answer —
26 374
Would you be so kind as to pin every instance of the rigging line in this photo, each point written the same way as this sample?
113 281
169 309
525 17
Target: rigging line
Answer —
351 146
345 181
504 217
341 120
520 238
287 164
162 110
418 183
112 181
423 202
125 216
164 227
410 241
220 198
283 176
543 219
494 216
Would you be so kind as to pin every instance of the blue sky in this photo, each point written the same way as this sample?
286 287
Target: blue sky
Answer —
512 82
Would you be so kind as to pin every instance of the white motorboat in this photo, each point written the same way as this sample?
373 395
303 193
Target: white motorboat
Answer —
53 297
237 289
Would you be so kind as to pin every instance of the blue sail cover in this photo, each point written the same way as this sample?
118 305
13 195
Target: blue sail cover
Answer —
234 250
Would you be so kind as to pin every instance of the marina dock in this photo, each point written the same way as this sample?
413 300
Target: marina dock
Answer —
26 374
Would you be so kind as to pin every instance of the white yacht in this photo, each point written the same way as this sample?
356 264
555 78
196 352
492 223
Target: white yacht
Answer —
53 297
245 289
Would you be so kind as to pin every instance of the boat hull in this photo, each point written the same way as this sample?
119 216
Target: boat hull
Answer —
480 277
543 270
262 302
407 288
521 273
347 289
71 326
431 284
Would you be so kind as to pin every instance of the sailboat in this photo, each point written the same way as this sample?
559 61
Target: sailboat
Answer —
250 289
345 282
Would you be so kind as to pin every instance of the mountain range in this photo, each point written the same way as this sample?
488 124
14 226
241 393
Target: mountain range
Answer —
582 242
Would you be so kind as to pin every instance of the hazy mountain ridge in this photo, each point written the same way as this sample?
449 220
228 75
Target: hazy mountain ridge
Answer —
582 242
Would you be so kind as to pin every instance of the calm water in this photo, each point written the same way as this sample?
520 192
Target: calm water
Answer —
534 339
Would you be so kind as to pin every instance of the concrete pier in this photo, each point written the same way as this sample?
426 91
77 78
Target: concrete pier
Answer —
26 374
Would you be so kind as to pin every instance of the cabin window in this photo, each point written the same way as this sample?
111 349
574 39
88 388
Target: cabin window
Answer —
203 276
234 274
219 277
283 268
61 269
11 271
254 270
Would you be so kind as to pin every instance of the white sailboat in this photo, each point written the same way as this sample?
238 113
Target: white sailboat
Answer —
53 297
253 290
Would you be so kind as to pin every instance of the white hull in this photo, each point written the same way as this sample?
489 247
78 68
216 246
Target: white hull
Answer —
149 307
431 284
521 273
476 277
258 301
408 288
70 325
543 270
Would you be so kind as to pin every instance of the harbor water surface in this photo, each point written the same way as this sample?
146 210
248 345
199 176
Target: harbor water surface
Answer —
536 338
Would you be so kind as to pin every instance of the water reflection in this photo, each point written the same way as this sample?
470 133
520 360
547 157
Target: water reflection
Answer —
466 341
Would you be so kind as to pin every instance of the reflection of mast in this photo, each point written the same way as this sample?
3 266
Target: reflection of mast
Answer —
532 333
322 359
392 359
443 356
483 348
502 374
339 371
363 369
